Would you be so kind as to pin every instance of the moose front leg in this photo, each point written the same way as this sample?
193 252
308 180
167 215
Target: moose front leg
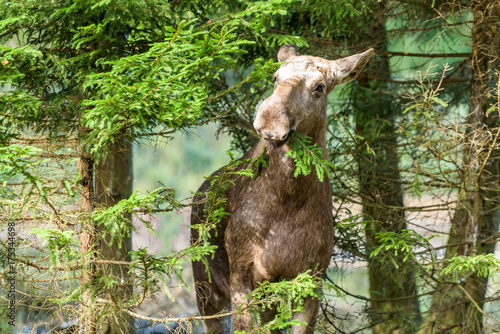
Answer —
311 308
242 320
240 287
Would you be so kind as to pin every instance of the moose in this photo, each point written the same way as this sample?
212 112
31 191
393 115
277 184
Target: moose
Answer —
278 225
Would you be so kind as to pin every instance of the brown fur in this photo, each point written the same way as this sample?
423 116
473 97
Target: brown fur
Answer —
279 225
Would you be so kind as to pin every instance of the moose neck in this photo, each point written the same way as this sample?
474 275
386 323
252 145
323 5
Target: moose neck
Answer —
281 169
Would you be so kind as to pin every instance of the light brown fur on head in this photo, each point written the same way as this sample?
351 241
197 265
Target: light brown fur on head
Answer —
300 91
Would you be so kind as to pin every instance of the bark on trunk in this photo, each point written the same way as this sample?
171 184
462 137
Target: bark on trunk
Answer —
113 182
88 320
457 305
394 306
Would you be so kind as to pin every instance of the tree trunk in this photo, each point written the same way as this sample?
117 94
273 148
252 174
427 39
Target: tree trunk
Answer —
394 306
88 321
113 182
457 305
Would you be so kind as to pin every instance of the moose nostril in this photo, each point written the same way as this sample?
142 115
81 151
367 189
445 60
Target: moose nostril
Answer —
268 134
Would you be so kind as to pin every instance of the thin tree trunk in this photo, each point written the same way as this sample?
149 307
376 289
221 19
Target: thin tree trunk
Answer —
85 165
394 307
457 305
113 182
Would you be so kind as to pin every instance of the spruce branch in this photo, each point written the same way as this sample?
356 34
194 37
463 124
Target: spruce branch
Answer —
305 154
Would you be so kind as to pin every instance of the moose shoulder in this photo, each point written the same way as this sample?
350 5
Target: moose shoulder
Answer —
278 225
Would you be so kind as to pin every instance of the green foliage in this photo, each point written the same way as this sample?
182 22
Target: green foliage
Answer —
400 246
122 68
287 297
483 265
154 273
215 200
324 18
306 155
27 180
63 246
168 85
116 219
351 235
17 161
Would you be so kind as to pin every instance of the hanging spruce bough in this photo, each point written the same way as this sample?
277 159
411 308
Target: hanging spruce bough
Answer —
404 243
306 155
116 219
483 265
287 297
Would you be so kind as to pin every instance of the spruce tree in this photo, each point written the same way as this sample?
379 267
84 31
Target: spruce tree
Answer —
81 81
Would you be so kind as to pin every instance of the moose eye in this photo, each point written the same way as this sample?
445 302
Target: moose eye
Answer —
318 91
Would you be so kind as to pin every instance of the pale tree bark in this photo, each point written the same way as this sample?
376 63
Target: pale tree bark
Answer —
457 305
85 166
113 182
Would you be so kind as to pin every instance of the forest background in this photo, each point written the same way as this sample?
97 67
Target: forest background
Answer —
412 158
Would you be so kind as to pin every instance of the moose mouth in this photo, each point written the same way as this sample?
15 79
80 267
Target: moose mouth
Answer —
273 143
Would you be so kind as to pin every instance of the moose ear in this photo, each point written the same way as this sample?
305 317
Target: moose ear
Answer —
347 69
287 51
